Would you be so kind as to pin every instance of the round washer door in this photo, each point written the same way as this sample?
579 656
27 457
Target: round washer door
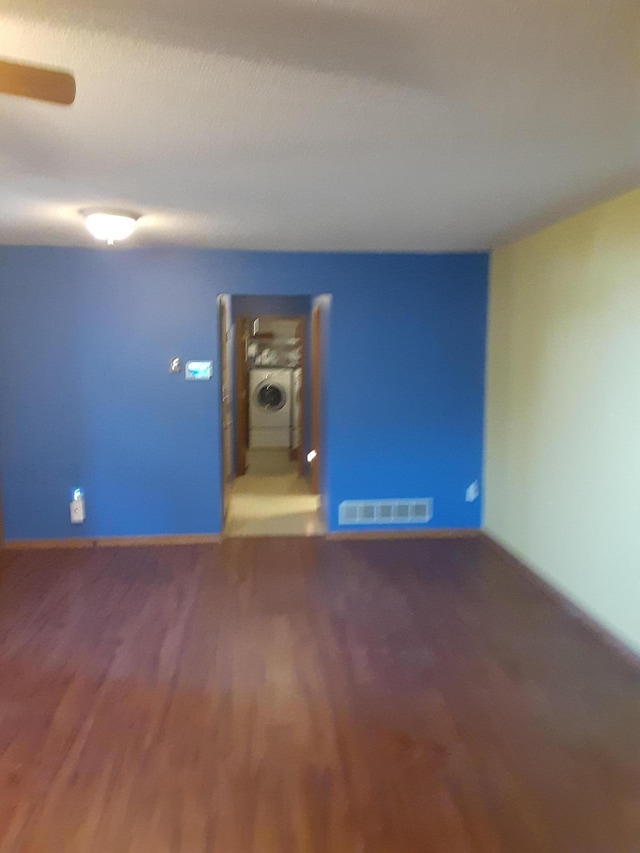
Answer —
270 396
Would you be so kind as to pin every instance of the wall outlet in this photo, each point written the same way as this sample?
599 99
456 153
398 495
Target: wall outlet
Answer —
473 492
76 507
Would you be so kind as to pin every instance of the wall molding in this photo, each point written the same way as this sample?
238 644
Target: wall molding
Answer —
215 538
112 541
427 533
589 623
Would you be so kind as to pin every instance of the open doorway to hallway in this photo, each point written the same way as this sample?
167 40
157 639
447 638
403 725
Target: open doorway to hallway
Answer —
271 415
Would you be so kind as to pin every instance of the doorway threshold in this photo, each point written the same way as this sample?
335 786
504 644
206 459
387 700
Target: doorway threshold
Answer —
271 499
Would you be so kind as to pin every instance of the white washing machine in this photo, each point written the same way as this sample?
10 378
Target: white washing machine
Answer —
270 407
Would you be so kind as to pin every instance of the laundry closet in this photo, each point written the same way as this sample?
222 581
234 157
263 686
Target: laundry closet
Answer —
272 383
273 362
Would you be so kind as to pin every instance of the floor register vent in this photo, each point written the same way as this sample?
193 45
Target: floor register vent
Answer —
401 511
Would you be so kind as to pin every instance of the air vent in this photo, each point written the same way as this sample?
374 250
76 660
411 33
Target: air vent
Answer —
410 511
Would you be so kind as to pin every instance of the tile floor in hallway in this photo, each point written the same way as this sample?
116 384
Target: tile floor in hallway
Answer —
272 500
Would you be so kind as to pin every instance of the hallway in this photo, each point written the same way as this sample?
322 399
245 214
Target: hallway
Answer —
272 500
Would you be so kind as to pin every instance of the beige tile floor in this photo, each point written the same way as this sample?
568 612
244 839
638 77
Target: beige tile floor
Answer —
272 500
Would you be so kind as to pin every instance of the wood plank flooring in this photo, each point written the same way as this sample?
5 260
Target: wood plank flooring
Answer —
306 696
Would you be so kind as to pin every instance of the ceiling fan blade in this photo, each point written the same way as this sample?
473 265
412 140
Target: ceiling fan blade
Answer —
33 81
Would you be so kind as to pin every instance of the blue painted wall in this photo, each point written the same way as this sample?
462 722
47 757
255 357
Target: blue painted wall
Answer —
86 398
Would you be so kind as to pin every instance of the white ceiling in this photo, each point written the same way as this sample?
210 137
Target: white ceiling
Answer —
412 125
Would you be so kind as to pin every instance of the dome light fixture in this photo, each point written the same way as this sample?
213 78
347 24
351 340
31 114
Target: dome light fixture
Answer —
110 225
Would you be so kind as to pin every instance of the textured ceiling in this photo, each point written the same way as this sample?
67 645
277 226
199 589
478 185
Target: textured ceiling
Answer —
413 125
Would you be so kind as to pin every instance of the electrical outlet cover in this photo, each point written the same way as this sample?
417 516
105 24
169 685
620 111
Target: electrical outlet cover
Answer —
473 492
76 511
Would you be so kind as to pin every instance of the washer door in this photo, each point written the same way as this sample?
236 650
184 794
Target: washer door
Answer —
270 396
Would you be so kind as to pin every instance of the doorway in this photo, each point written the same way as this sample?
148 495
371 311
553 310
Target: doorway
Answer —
271 416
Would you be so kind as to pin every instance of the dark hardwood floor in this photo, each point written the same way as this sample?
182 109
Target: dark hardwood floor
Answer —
267 696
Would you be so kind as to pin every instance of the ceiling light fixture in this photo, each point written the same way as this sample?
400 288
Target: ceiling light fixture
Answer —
110 225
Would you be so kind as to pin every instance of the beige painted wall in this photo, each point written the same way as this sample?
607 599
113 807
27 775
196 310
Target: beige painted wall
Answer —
562 456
